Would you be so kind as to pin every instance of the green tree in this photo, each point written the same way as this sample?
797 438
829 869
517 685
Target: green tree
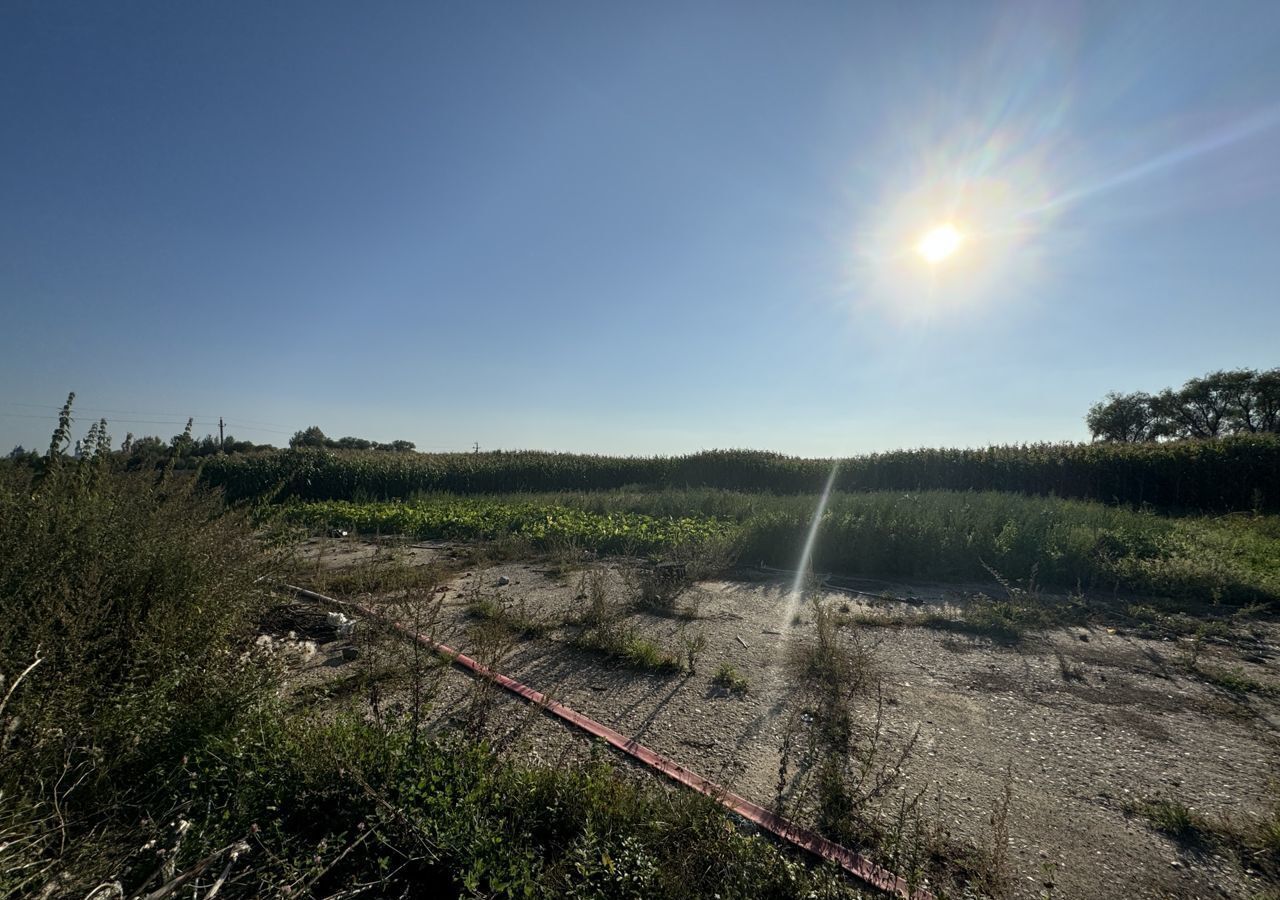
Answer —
1267 401
311 437
1128 418
1225 402
351 443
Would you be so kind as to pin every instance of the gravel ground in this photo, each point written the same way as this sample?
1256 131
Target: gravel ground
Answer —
1081 724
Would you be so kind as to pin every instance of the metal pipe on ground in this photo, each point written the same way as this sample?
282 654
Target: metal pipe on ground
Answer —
851 861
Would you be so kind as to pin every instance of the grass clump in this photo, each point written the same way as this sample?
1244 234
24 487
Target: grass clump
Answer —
388 572
1233 680
1003 621
1254 841
625 645
728 678
1174 818
1149 621
642 653
512 615
658 589
601 629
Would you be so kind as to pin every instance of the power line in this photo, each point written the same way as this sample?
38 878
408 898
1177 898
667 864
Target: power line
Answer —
247 423
126 412
198 421
175 420
259 428
53 417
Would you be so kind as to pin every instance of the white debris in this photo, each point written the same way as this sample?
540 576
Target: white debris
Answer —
271 645
342 624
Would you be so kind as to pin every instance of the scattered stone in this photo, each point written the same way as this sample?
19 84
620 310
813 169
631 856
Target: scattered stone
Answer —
503 581
350 653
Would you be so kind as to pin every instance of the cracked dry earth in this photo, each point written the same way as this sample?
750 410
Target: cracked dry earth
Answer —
1082 724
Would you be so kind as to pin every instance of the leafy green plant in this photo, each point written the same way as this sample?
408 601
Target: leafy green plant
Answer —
730 679
939 536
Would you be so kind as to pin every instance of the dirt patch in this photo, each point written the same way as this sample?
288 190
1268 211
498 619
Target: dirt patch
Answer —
339 551
1085 728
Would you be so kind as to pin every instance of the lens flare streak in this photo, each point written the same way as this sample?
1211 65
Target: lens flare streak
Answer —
795 595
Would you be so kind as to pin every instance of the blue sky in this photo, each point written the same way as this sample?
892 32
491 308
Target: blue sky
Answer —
631 228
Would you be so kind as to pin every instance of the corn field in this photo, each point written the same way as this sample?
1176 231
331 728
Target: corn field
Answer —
1237 473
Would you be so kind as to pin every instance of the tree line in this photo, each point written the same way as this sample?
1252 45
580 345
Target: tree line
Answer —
1219 404
184 450
315 438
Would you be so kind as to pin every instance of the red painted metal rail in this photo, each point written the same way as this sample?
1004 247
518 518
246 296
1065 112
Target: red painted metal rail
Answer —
854 863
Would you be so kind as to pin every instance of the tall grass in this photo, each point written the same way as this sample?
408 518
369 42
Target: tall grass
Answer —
135 603
144 750
1237 473
935 535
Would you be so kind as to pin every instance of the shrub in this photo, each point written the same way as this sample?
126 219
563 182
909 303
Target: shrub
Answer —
137 600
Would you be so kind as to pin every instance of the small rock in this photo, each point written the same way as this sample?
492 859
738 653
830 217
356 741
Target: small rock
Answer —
503 581
350 653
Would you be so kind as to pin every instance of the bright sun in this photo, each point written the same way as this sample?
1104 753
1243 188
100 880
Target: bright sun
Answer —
938 243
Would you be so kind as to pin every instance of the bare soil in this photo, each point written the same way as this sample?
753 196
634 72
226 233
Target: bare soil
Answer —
1086 724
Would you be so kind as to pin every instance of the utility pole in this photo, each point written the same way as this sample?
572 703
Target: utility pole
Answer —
477 445
222 438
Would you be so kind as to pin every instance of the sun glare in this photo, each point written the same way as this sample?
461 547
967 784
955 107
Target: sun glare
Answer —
939 243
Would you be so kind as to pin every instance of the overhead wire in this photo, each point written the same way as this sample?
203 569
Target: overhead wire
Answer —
146 417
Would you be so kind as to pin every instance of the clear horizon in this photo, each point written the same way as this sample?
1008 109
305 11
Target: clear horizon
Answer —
634 231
